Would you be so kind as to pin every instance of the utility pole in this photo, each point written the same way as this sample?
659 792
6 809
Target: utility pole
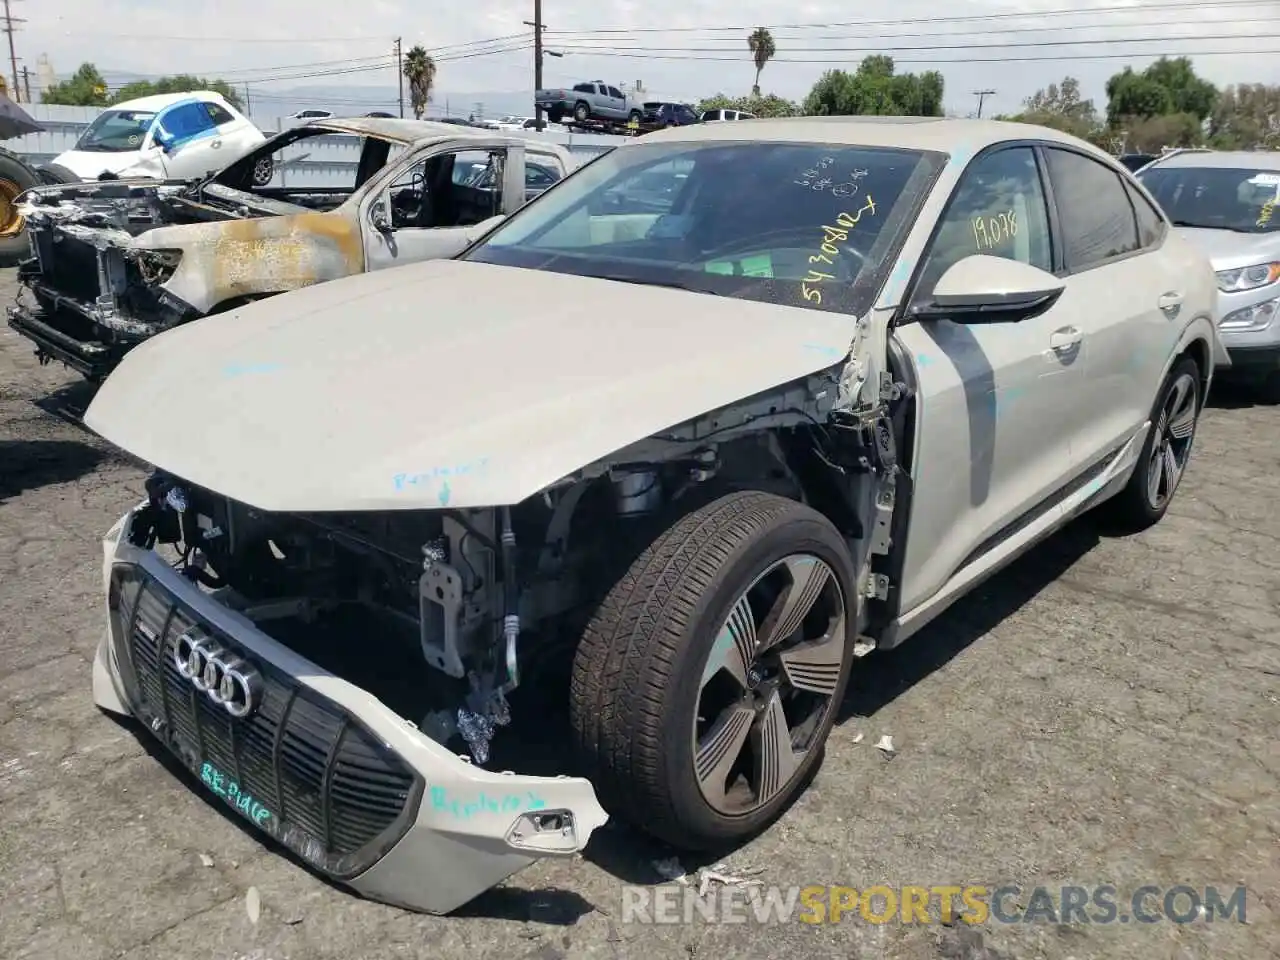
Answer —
982 97
400 75
247 106
9 21
538 27
26 84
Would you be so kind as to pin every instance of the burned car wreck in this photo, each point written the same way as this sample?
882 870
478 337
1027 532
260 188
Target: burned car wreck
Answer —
116 262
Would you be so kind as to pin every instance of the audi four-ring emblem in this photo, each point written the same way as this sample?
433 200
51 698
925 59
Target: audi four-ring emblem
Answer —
222 675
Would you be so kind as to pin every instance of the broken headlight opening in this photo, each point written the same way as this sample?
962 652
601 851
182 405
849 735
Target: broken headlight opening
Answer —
157 266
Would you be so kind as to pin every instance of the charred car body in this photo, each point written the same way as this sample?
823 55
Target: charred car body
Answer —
116 262
687 455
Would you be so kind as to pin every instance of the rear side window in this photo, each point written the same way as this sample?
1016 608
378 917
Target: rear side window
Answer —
218 115
1098 221
1150 223
584 88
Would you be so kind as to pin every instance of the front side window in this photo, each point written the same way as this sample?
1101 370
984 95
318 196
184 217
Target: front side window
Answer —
1217 198
1098 222
116 131
218 115
998 210
186 122
796 224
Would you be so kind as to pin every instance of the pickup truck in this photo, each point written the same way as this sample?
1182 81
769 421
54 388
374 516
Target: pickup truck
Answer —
594 100
117 262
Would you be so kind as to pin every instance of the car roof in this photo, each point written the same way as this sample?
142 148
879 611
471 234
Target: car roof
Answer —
945 134
1231 159
158 101
397 129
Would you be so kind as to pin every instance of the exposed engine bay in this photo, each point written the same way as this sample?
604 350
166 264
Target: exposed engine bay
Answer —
442 614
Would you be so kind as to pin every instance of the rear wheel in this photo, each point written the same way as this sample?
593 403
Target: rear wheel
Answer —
581 112
1166 453
15 177
708 679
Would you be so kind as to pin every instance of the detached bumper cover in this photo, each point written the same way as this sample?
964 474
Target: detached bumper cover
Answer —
318 764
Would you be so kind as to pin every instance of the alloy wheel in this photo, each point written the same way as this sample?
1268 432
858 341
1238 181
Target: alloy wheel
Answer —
11 221
1171 449
769 682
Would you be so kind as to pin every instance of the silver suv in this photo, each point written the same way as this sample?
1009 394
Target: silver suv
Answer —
1225 203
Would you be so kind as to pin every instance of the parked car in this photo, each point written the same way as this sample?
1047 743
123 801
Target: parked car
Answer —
311 115
724 449
168 136
711 116
117 263
1133 162
595 100
659 114
1225 204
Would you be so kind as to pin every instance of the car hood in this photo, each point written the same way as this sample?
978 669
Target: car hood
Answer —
443 383
90 164
1227 249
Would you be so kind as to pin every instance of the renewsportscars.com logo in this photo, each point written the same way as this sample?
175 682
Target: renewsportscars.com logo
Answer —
971 904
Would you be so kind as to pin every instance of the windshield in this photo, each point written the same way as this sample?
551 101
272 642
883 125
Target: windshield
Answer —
116 131
1218 198
787 223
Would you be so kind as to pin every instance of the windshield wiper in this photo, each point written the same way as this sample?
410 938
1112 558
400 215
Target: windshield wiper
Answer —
670 284
1208 226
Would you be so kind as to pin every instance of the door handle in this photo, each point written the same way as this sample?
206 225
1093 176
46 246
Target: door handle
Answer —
1065 339
1171 303
217 142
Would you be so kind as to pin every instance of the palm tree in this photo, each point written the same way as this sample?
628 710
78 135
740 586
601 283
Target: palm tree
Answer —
762 48
420 70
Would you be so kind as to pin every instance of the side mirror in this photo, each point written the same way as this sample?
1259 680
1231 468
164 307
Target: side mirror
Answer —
986 289
378 217
164 140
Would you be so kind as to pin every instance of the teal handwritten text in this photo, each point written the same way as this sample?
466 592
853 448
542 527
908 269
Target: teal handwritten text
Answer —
443 801
231 791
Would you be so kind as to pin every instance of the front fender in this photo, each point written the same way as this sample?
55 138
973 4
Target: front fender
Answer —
231 259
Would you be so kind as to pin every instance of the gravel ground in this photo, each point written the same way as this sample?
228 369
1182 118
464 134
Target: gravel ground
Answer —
1105 712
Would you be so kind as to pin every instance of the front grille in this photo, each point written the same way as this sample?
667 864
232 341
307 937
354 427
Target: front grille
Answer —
70 265
315 779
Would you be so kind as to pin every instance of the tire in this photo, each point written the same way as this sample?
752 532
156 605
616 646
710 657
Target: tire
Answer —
634 116
581 112
1269 389
16 175
643 670
1135 508
54 174
263 170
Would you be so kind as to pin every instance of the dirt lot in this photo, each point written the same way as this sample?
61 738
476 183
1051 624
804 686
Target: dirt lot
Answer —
1104 713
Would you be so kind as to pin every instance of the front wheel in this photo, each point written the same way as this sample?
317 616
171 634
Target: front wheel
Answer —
708 679
1165 454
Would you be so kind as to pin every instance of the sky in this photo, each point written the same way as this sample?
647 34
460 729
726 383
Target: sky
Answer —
1013 47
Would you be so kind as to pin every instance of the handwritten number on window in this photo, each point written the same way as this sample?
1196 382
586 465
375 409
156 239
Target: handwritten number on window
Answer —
991 232
830 237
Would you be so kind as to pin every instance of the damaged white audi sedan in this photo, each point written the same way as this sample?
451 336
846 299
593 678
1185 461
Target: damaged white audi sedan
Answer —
726 409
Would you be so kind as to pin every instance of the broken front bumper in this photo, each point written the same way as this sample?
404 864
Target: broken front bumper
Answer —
91 357
317 763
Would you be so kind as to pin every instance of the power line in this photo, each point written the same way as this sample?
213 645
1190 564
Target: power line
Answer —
896 21
933 60
883 48
1002 31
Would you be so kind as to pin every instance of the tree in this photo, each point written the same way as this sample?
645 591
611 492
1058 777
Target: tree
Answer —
85 88
182 83
420 71
1168 86
874 89
766 106
1061 107
762 48
1246 117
